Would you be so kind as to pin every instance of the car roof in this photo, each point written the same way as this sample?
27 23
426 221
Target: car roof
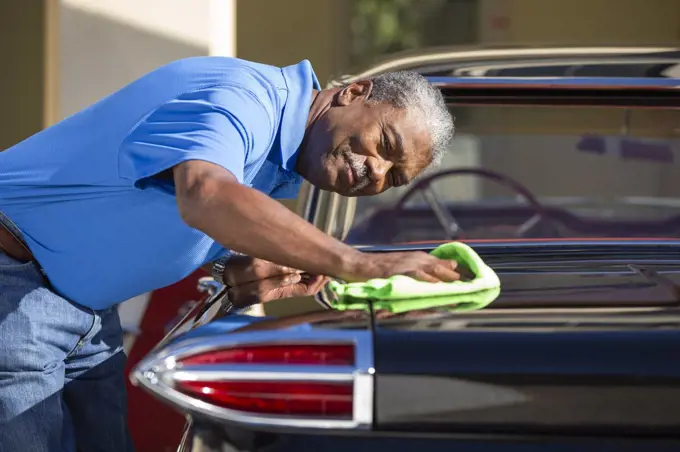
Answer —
557 82
632 65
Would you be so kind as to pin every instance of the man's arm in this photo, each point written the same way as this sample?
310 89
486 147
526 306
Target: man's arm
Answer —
205 137
242 219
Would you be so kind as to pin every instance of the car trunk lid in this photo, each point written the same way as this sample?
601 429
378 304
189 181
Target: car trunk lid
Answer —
577 342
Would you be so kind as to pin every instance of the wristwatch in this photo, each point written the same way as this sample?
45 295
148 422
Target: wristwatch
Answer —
218 269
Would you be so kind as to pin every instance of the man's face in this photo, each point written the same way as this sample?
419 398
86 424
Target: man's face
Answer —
360 148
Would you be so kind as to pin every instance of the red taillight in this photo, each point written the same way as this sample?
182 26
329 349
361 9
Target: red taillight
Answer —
302 354
276 398
313 379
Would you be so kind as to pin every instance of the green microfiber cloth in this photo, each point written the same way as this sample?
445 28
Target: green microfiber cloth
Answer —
456 303
403 288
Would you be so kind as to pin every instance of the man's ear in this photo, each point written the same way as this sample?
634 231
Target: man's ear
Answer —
360 90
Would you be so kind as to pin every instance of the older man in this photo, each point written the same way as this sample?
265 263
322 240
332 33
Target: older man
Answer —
175 171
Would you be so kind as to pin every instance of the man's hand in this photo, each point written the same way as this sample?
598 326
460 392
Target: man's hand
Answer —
418 265
275 288
245 269
255 281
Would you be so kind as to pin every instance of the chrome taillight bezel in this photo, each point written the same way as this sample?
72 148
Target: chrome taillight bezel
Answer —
157 373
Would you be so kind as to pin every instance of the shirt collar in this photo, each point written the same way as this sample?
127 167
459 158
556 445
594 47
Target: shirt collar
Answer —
300 80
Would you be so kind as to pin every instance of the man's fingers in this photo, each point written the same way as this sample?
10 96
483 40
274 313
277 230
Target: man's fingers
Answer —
315 286
307 286
246 271
463 272
260 291
322 281
276 288
314 282
423 276
264 269
466 274
295 290
445 272
441 271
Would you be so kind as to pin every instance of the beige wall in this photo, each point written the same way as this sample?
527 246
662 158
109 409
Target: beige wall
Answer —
623 22
176 20
596 21
22 33
107 44
285 32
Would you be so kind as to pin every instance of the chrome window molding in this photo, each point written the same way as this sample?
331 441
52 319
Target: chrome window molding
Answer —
158 372
424 58
329 212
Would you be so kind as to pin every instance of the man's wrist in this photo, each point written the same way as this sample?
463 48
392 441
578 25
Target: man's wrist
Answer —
350 263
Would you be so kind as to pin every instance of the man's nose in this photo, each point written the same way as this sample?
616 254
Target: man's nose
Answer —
378 169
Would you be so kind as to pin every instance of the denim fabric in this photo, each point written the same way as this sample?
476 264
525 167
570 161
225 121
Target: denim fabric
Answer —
62 386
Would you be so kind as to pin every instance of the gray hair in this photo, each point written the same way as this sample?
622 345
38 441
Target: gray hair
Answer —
410 90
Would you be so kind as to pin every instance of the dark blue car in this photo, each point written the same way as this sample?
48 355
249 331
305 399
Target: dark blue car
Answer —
564 179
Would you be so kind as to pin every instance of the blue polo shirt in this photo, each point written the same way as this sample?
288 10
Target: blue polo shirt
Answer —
83 193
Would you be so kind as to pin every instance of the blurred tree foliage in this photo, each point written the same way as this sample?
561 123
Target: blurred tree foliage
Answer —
386 26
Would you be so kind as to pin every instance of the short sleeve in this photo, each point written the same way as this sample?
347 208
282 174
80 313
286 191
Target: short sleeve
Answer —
220 125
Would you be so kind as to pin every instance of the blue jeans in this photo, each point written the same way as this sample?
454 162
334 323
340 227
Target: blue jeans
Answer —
62 384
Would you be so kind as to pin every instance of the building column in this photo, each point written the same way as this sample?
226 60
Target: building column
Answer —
52 87
223 27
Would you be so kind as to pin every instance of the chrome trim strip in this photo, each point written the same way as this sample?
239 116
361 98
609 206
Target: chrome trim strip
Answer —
476 70
305 204
264 373
185 443
349 214
158 372
476 54
363 399
331 219
209 285
191 346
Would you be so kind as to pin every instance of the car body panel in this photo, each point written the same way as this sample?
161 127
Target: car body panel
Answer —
578 345
604 381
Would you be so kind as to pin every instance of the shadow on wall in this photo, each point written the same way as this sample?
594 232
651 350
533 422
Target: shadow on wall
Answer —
21 53
100 55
